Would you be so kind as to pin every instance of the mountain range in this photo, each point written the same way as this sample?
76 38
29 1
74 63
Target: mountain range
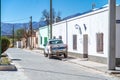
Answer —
6 28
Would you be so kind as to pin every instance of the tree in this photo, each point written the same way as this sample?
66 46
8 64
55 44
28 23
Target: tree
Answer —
19 34
26 35
5 44
23 33
46 16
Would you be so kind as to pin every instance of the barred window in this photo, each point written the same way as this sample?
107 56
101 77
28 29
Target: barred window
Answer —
45 40
99 43
60 37
54 37
74 42
41 40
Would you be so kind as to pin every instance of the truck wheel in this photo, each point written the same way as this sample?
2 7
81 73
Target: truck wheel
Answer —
65 55
46 55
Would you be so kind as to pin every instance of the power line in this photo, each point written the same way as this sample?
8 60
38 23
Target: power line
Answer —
16 20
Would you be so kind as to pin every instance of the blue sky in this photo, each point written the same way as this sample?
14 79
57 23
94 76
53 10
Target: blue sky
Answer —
19 11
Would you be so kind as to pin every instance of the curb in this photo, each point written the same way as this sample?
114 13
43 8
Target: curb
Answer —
8 67
86 66
108 72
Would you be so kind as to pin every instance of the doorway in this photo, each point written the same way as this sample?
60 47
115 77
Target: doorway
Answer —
85 46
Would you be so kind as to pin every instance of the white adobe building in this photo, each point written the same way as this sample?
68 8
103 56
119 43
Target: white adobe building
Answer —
87 35
43 36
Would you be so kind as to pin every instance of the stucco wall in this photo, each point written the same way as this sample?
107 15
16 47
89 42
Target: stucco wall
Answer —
95 22
43 33
38 39
59 29
90 23
118 33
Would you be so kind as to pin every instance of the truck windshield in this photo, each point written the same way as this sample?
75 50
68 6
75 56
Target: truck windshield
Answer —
56 42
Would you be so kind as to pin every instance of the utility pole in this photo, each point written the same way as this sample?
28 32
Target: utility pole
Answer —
26 36
112 35
0 42
51 20
13 35
31 31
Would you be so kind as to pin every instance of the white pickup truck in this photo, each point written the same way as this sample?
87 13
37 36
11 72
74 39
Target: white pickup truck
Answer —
55 47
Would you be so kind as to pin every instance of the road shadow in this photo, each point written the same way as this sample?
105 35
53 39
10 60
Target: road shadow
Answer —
62 58
56 57
16 59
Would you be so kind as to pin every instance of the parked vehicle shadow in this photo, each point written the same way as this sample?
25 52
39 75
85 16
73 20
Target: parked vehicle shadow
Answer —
62 58
56 57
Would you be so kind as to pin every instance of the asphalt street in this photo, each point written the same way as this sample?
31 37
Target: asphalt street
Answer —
37 67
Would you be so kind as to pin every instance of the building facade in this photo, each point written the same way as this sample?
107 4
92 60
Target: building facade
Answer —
44 36
87 34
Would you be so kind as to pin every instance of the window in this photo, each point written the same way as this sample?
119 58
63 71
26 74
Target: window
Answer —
41 40
45 40
56 42
54 37
60 37
74 42
99 43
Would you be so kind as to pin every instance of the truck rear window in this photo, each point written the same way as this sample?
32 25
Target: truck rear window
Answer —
56 42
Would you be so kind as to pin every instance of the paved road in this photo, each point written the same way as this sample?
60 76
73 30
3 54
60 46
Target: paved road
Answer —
38 67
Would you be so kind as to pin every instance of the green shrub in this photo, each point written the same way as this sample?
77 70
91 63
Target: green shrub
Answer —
5 44
5 60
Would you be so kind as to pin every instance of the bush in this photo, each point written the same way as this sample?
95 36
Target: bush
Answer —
5 44
5 60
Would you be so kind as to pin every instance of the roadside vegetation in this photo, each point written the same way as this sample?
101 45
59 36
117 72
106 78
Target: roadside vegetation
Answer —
5 43
5 61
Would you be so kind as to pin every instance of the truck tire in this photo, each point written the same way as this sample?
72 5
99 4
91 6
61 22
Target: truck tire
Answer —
49 56
46 55
65 55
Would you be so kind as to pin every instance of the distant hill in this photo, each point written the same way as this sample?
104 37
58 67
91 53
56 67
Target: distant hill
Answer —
6 28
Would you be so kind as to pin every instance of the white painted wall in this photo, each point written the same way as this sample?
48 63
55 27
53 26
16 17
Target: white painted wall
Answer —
38 37
33 42
118 40
118 33
96 22
59 29
43 32
19 44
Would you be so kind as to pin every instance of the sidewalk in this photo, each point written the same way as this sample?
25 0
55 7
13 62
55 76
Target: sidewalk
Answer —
13 75
94 65
90 64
